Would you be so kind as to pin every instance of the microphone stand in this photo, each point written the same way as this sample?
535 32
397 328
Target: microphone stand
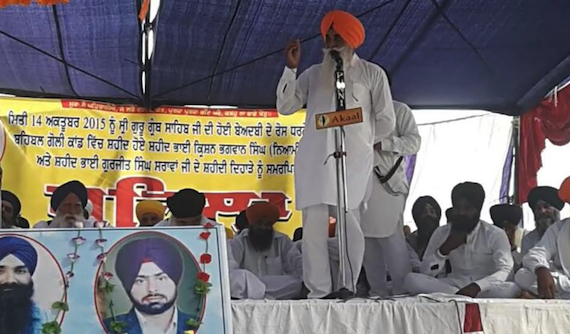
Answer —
341 186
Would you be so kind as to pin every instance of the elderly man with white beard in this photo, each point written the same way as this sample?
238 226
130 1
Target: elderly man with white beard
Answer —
546 272
546 205
366 87
68 201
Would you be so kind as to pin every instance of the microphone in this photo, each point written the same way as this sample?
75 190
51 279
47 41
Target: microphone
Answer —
336 57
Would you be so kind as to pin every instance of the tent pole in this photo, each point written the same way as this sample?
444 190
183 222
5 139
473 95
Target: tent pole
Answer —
147 63
516 149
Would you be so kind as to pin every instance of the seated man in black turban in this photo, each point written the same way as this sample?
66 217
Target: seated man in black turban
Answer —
68 202
18 312
479 253
507 217
150 271
427 214
11 208
546 206
546 266
186 208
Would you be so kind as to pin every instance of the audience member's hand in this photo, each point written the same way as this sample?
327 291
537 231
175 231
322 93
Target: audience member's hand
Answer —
454 240
472 290
546 286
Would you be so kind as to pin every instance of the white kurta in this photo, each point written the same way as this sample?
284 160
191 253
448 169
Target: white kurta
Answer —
276 273
168 222
553 252
529 241
382 220
385 207
366 87
485 259
415 261
88 224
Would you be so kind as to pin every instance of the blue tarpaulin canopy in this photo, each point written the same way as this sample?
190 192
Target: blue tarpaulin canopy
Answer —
498 55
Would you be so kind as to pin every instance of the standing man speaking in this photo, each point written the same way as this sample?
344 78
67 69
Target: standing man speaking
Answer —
315 174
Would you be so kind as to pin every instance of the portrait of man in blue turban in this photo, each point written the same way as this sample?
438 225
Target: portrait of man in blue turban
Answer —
18 312
150 270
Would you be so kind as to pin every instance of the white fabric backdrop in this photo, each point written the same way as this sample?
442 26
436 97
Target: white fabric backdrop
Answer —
459 146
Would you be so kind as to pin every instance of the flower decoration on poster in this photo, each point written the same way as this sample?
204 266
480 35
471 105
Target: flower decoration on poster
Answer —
203 285
61 306
105 286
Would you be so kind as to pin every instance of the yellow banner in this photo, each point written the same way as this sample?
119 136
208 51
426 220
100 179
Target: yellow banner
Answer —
125 154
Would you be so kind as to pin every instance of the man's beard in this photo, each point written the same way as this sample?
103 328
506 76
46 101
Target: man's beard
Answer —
328 65
545 219
153 308
67 221
427 226
8 223
464 224
260 239
15 307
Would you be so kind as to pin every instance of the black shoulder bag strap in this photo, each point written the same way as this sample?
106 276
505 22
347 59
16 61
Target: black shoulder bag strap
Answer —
387 177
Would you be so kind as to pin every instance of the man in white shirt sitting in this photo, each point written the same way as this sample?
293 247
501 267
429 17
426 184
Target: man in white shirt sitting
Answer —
479 253
427 215
546 206
546 272
68 201
186 208
507 217
263 262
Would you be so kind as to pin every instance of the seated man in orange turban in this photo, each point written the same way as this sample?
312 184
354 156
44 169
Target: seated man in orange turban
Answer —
366 87
149 213
263 262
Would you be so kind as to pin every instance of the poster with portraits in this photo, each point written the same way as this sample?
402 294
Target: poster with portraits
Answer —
114 280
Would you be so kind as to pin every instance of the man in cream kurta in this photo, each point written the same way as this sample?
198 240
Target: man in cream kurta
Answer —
546 266
382 222
315 172
479 253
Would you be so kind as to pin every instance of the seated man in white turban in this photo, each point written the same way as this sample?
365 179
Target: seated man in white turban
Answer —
263 262
479 253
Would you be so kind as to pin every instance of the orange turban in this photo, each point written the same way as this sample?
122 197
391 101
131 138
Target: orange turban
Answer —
257 212
145 207
346 25
564 192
